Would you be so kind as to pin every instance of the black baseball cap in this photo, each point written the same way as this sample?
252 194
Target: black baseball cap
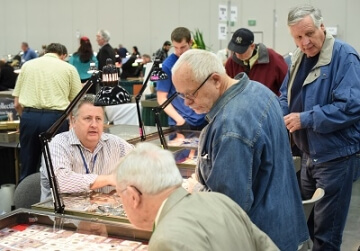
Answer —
241 40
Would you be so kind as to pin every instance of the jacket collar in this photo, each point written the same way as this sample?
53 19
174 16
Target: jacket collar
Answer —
261 57
228 95
325 52
172 200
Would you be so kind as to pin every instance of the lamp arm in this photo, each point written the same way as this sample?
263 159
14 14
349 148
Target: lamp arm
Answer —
137 101
157 111
45 138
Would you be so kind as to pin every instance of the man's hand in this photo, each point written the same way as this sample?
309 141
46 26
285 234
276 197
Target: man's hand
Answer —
192 182
292 121
104 180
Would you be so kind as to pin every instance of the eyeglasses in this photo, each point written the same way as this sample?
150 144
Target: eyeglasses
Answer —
132 187
193 95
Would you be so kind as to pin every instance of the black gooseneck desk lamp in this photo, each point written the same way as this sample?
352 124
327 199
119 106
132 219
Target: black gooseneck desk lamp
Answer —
155 74
110 94
157 110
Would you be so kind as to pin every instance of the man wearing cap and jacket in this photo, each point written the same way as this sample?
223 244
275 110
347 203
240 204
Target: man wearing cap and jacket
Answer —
258 62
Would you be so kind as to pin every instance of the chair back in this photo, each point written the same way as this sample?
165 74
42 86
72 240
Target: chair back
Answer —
27 193
308 205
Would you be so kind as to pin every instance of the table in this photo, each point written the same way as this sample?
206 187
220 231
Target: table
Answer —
6 94
132 85
148 115
89 205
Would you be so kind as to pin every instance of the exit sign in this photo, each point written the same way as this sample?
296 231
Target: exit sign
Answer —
251 22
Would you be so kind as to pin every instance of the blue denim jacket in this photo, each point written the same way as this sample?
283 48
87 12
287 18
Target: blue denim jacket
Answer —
331 101
245 154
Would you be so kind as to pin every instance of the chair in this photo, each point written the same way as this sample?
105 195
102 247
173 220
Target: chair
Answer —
309 204
28 191
297 163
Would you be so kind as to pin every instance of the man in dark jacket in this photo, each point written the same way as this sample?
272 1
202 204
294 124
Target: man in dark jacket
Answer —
106 50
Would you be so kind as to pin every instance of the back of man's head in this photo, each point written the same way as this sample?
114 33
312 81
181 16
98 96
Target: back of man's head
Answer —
149 168
57 48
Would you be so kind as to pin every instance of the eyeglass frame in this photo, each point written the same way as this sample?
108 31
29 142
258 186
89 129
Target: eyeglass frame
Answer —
193 95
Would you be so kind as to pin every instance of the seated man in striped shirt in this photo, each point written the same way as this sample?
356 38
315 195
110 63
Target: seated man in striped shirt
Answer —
85 157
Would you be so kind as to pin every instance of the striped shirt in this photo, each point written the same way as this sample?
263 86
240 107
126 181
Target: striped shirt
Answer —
47 82
71 162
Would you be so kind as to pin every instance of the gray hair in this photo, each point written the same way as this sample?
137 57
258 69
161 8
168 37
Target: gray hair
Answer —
149 168
56 48
105 35
298 13
201 62
86 99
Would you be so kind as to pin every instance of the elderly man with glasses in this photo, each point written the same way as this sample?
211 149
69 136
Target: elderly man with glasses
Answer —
244 151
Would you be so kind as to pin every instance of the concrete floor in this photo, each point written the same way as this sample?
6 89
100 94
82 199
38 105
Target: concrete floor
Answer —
351 237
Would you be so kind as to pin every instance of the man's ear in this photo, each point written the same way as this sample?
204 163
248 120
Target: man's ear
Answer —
191 42
135 197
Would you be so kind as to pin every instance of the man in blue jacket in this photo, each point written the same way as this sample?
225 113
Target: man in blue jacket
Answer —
320 98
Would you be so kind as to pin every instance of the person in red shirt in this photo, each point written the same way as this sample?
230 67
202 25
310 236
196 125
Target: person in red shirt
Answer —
260 63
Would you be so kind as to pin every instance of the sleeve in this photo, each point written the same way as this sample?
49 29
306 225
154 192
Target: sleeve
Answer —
64 163
123 146
75 83
283 99
166 84
19 82
344 108
227 170
94 59
282 69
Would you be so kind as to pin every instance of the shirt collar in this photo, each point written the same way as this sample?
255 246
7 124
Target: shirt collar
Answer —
159 212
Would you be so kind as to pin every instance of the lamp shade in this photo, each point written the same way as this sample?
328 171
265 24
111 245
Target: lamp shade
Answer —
111 93
158 75
112 96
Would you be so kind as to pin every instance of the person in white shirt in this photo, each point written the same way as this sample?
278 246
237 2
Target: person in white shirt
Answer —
85 157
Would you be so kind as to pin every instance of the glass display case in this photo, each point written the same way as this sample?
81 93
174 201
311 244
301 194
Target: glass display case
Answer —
26 229
89 205
184 145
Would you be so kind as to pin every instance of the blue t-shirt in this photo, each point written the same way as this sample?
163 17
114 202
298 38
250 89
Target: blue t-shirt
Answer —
191 117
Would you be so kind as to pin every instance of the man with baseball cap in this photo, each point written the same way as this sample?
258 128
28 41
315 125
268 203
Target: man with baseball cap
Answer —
258 62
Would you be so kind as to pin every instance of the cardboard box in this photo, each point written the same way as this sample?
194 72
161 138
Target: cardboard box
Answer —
8 136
